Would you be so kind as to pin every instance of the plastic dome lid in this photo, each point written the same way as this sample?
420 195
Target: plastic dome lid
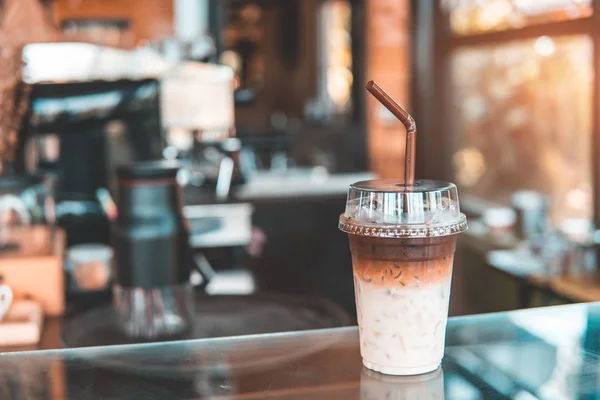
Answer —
388 208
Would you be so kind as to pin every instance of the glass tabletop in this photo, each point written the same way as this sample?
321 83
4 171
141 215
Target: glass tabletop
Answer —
547 353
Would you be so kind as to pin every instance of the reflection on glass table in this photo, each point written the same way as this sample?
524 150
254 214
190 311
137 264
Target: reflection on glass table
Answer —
478 16
545 353
521 119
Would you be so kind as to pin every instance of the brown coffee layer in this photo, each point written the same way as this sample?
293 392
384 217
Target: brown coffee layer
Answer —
405 249
402 274
402 262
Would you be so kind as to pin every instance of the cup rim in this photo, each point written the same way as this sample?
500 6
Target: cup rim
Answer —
349 225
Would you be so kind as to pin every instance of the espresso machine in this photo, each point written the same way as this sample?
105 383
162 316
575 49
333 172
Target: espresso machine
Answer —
78 148
113 107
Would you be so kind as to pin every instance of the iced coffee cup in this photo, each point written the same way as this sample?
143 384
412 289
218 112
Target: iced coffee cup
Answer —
402 240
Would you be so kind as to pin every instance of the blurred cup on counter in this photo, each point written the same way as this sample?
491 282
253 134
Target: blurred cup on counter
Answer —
6 298
499 221
531 211
579 246
375 386
402 240
577 230
90 265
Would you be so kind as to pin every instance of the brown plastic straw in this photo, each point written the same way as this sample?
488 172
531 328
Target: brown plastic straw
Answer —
408 122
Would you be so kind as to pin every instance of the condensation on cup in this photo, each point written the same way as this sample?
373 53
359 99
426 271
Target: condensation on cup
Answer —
402 240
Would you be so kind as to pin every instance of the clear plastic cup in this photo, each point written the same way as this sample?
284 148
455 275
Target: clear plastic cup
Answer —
402 242
90 265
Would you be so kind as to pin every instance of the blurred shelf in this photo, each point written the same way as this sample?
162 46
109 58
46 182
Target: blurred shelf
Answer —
294 184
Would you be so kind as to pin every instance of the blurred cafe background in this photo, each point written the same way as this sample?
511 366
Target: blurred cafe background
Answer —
249 119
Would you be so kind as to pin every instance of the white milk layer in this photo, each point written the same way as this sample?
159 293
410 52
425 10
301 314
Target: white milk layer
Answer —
402 329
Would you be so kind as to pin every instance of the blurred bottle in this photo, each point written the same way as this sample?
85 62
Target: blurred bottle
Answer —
153 258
